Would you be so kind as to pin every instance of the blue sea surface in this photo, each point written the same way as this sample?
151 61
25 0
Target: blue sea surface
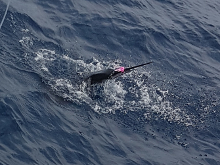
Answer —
165 113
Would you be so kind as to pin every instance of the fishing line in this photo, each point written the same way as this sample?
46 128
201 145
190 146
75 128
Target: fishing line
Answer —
5 13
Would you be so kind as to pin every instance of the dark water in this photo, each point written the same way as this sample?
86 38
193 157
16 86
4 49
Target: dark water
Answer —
164 113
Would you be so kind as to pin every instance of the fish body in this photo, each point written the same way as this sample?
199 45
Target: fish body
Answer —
103 75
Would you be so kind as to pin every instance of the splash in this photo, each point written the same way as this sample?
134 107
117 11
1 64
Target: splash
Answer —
130 92
127 93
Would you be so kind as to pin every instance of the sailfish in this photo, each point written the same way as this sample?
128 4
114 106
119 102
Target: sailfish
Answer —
107 74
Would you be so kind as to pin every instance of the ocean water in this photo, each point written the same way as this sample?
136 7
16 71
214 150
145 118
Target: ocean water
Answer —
165 113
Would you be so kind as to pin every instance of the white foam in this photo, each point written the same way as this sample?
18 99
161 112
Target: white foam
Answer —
44 54
25 30
114 95
167 111
130 92
144 97
26 42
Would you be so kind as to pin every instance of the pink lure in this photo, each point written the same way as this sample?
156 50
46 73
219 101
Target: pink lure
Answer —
121 69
